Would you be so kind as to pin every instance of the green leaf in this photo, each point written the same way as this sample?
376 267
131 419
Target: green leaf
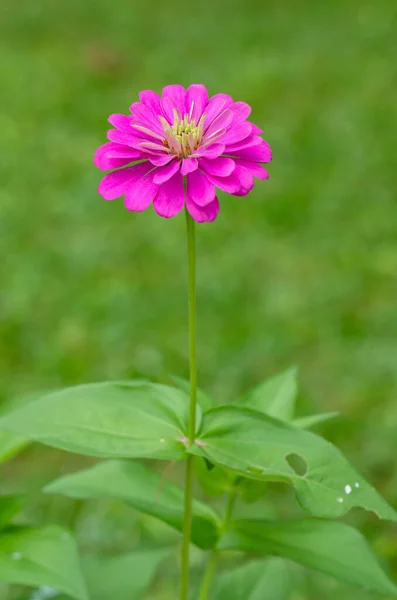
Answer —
251 490
260 447
275 396
42 557
143 489
107 420
260 580
10 445
215 481
9 506
312 420
124 577
332 548
205 402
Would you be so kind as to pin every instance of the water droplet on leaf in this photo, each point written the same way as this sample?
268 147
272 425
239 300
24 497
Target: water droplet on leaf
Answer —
348 489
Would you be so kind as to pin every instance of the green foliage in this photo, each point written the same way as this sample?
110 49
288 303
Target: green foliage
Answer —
258 446
124 577
9 506
312 420
119 419
42 557
143 489
204 401
268 579
332 548
275 396
10 445
214 480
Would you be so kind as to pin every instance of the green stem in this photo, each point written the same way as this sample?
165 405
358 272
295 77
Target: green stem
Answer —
210 569
191 432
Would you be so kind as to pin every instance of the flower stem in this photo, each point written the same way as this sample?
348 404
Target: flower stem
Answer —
189 473
210 569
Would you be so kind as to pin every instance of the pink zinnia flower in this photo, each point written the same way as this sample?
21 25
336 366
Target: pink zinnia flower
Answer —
184 145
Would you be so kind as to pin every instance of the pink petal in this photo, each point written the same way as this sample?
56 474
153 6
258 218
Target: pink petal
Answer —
220 122
256 130
199 189
254 168
203 214
167 105
142 129
160 159
241 111
196 101
170 198
177 93
222 167
141 193
215 106
111 156
117 183
146 117
251 140
188 165
212 151
151 100
259 153
121 137
230 184
152 147
246 180
165 173
121 122
236 133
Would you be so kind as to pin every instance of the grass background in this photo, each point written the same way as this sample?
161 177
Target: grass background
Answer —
302 271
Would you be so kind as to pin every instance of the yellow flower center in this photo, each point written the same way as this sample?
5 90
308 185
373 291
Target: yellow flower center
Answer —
184 136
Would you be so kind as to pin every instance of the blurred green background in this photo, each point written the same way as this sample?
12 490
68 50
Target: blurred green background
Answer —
302 271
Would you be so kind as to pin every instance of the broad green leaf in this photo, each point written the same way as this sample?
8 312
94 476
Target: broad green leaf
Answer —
10 445
107 420
217 480
261 447
260 580
252 490
275 396
124 577
143 489
205 402
42 557
214 480
312 420
9 506
330 547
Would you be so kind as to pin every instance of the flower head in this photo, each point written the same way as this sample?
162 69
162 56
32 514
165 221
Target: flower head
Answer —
183 145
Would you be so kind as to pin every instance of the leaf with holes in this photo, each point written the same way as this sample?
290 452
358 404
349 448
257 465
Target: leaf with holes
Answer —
269 579
108 420
205 402
142 489
276 396
42 557
257 446
332 548
124 577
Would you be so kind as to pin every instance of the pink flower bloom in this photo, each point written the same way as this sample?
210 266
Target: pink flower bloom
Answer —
183 146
